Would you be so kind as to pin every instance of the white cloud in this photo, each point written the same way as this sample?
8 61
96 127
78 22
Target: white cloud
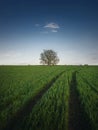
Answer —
52 26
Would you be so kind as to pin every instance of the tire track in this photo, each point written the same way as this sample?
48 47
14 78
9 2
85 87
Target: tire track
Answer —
27 108
77 119
91 86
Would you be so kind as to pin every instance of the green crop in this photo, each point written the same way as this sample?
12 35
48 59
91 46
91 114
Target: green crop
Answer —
88 86
50 89
51 112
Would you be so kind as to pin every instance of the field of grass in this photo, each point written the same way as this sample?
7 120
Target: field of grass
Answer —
48 97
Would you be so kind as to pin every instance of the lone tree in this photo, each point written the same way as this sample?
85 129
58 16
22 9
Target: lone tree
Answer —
49 57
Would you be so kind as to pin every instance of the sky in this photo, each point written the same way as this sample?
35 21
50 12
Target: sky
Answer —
69 27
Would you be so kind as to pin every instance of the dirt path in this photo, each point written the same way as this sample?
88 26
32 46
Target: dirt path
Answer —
77 119
19 116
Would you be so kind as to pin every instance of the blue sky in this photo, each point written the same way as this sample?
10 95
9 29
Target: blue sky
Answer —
68 27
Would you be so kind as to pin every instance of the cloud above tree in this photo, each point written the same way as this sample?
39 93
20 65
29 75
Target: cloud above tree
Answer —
52 26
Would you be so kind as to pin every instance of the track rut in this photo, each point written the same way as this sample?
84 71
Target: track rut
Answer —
19 116
77 119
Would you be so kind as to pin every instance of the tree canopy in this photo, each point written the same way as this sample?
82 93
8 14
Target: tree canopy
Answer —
49 57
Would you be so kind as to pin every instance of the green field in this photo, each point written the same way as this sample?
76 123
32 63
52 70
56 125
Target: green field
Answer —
48 97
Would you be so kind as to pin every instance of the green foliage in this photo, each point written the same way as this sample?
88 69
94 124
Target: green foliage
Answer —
51 112
19 84
88 90
49 57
